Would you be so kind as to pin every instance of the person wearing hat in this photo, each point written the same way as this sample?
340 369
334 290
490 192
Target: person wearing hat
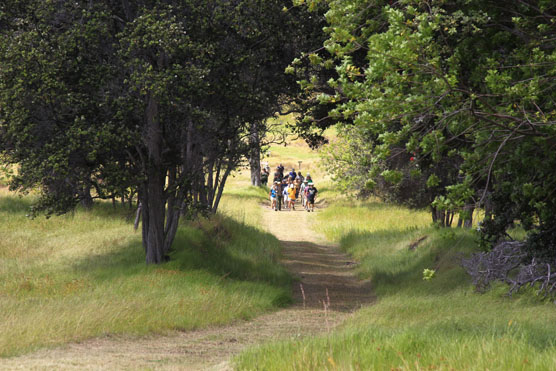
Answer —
311 196
291 196
278 177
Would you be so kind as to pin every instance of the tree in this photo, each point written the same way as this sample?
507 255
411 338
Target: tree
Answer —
466 84
149 97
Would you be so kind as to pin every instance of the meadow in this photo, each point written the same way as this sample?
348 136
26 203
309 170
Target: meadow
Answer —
83 275
441 323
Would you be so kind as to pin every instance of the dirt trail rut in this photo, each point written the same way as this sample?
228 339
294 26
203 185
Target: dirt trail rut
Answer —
325 278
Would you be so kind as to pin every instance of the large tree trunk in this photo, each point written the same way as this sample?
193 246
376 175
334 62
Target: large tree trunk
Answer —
255 155
153 200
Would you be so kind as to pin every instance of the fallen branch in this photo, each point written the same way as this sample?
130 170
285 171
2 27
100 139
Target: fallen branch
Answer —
507 262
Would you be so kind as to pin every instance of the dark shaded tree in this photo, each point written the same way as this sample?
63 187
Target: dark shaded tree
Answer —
113 98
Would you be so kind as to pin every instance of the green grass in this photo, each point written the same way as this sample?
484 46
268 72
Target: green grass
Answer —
83 275
348 216
415 324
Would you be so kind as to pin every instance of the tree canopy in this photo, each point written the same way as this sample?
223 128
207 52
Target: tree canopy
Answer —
459 94
154 98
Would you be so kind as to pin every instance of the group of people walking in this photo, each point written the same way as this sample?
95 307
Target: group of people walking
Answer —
287 189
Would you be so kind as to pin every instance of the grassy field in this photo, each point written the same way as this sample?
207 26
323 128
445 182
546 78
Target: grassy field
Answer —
417 324
83 275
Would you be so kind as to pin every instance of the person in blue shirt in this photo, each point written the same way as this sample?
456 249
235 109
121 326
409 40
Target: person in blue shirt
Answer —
293 174
273 194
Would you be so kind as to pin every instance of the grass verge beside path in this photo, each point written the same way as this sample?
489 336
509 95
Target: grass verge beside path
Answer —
415 324
83 275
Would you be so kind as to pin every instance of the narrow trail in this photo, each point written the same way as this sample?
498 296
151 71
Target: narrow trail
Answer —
326 292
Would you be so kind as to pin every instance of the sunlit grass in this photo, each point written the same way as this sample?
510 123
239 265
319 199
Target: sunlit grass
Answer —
295 153
349 214
83 275
242 202
297 156
416 324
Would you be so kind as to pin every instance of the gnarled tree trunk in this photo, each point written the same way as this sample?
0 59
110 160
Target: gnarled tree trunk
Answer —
157 237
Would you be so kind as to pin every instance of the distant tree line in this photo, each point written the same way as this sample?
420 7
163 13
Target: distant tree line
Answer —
147 99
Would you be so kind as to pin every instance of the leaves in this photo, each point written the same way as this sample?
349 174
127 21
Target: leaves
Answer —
465 87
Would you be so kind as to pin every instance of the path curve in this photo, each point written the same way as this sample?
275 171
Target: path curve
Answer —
325 293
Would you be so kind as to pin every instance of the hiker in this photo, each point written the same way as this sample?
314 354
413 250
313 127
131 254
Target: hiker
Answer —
281 169
308 178
311 195
278 175
264 176
291 196
285 188
273 194
303 194
297 184
293 174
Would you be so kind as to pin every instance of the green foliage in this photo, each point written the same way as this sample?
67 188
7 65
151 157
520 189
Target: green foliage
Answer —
464 87
359 168
428 274
102 99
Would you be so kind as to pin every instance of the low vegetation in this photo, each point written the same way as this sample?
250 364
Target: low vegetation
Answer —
417 323
82 275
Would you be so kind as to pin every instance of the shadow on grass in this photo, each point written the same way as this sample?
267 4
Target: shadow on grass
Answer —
21 204
393 269
15 204
233 249
228 250
252 193
106 209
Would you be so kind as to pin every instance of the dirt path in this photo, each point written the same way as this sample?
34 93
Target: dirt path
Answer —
326 279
